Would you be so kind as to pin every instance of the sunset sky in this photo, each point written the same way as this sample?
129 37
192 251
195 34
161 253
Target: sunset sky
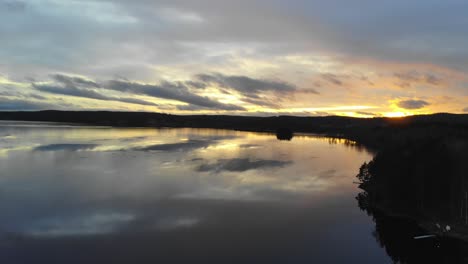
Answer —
247 57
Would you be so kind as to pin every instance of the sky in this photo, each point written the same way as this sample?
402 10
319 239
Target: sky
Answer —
362 58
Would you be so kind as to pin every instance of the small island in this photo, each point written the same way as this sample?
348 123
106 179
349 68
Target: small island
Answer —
283 133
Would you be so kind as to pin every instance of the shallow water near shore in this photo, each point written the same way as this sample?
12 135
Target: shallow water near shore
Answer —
76 194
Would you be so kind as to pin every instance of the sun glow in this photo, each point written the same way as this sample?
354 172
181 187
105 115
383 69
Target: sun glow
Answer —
397 114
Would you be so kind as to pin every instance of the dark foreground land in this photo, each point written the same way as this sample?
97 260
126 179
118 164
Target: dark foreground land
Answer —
419 172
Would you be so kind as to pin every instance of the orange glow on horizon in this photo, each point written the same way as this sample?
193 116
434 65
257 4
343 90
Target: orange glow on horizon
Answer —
397 114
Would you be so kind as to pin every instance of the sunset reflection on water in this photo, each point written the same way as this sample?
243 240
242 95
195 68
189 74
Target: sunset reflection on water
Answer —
190 190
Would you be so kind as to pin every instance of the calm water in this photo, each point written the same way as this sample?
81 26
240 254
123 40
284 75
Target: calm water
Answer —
116 195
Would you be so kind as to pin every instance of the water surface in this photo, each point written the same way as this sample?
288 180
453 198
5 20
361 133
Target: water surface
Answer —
127 195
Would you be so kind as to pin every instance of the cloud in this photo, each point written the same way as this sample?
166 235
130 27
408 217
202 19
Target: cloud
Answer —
407 76
19 104
332 78
151 33
73 86
132 101
247 85
147 41
13 5
240 165
406 79
22 95
195 84
412 104
70 90
432 79
465 109
366 113
253 91
74 81
172 91
260 92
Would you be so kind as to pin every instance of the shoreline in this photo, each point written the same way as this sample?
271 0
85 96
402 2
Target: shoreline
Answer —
373 133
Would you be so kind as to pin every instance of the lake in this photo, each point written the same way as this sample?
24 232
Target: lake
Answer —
77 194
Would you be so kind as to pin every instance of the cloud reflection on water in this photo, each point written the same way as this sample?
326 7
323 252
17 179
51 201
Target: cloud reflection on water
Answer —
66 147
142 187
240 165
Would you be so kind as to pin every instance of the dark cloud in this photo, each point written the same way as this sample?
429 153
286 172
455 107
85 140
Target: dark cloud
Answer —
407 76
366 79
250 89
432 79
173 91
366 113
253 91
194 33
7 93
35 96
74 81
332 78
321 113
14 93
267 28
13 5
69 88
247 85
132 101
406 79
240 165
65 147
195 84
19 104
412 104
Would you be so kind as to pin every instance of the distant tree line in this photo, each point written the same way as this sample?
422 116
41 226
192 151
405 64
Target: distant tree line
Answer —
371 132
